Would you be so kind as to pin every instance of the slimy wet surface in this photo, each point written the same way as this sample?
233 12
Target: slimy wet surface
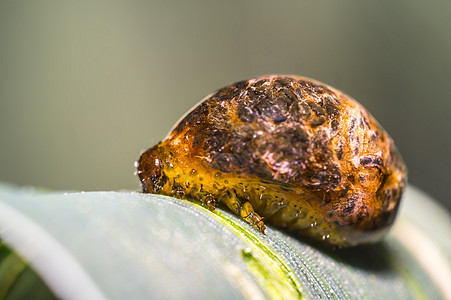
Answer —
284 150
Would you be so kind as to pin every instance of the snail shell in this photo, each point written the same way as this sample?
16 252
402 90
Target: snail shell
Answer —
294 151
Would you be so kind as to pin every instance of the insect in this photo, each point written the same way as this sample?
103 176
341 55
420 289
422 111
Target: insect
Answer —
286 150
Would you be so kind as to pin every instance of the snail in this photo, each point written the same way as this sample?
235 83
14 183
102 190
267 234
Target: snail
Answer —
286 150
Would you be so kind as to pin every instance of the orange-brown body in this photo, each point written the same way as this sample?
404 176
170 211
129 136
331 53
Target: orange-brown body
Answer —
294 151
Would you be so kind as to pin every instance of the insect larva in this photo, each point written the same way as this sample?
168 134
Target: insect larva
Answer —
297 152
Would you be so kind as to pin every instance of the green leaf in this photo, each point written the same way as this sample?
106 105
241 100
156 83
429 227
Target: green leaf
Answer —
117 245
18 280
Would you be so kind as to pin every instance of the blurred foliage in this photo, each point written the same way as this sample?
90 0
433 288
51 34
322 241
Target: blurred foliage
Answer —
18 280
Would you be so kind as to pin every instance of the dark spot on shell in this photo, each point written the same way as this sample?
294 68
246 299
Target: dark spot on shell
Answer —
367 123
356 146
289 94
312 87
344 192
299 94
388 195
316 108
334 100
319 179
375 136
297 137
305 110
245 113
282 83
216 140
318 89
285 99
339 151
294 112
230 92
225 162
259 84
362 123
331 108
370 161
319 121
335 177
350 204
334 124
352 127
195 141
362 178
279 119
320 140
241 85
266 108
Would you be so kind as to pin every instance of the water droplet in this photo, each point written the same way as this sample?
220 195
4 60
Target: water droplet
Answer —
247 250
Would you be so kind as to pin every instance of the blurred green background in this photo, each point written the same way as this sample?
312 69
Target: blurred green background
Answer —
86 85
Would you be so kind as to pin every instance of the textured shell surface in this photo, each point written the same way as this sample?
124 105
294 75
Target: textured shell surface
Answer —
296 152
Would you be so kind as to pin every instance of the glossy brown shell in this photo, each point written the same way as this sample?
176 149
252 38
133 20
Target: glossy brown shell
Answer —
332 171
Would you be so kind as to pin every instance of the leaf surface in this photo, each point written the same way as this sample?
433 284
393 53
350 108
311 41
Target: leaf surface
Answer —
117 245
